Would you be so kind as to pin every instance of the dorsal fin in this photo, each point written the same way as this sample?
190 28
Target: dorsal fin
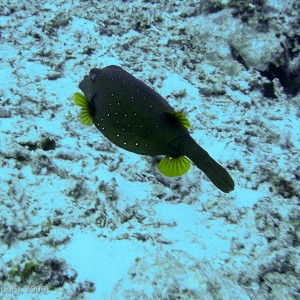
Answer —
179 117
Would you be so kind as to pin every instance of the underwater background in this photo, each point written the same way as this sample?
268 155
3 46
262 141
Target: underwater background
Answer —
83 219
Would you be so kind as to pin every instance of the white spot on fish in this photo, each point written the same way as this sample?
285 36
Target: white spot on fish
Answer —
125 115
123 129
151 106
117 122
118 135
102 128
125 143
136 144
132 97
108 115
156 126
112 95
101 119
133 133
146 145
98 124
141 126
135 114
109 104
137 91
116 113
118 103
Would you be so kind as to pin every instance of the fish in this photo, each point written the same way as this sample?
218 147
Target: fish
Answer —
133 116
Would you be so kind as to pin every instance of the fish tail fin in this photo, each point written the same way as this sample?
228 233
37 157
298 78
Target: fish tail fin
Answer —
215 172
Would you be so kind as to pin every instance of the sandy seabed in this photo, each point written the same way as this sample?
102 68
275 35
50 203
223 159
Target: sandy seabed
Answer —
83 219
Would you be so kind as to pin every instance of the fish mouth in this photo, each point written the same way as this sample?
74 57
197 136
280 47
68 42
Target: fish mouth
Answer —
86 86
83 83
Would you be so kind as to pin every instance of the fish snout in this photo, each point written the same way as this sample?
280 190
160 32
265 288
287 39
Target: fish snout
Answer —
83 83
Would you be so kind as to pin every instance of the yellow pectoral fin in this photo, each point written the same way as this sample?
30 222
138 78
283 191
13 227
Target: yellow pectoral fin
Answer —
174 166
85 115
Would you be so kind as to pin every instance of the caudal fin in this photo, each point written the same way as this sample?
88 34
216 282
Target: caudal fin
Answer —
215 172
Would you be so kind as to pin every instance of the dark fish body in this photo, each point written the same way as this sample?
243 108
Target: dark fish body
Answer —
129 113
136 118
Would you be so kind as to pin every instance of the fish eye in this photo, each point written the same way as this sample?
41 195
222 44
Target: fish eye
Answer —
93 76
